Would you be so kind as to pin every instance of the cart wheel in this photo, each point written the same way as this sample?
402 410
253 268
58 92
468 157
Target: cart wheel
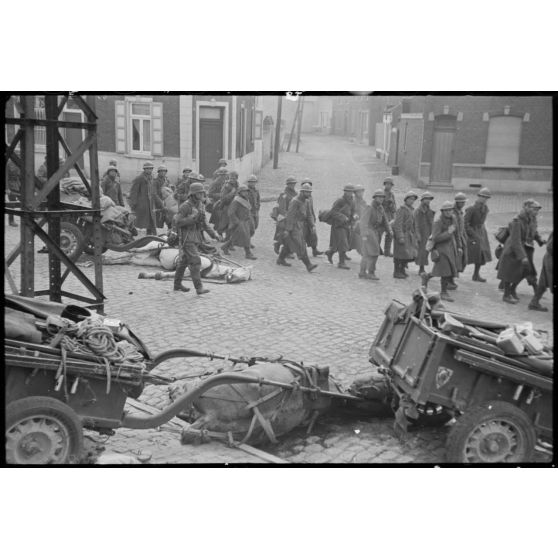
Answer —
71 240
493 432
42 430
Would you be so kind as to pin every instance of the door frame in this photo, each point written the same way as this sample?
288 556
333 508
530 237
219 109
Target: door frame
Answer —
438 128
213 104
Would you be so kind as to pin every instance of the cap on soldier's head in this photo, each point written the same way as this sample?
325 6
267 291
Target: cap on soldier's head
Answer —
306 181
233 174
388 180
148 165
410 194
291 180
243 188
359 188
447 205
379 194
252 178
426 196
306 186
196 188
484 193
348 188
460 197
112 168
532 203
161 168
113 162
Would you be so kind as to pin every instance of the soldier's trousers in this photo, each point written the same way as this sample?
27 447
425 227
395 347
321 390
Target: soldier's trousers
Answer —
189 258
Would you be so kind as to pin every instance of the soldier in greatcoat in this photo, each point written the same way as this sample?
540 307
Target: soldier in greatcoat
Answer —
279 214
342 219
298 218
460 236
113 163
390 208
424 217
228 193
361 208
516 261
222 164
405 245
214 193
444 250
142 202
255 200
241 223
110 186
478 247
310 235
372 222
546 278
185 172
191 223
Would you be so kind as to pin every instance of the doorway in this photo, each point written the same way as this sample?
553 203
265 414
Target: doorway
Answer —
442 150
74 136
211 139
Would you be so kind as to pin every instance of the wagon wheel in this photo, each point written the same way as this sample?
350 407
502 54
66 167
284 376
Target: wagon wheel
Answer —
41 431
493 432
71 240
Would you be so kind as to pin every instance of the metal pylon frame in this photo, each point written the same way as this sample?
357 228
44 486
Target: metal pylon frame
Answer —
40 204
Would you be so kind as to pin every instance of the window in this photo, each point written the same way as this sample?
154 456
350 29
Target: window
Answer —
258 125
40 114
504 134
249 130
139 127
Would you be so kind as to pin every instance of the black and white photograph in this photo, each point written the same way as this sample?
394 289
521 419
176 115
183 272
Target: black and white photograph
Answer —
278 278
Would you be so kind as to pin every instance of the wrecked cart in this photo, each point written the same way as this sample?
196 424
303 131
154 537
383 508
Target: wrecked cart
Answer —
441 366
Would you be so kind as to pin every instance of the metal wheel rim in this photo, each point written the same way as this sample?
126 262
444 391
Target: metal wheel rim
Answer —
68 242
38 440
495 441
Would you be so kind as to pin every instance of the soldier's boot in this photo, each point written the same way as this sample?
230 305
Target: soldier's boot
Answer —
179 275
513 294
282 255
507 294
404 269
444 295
225 248
372 269
342 258
501 286
329 254
248 255
309 266
476 275
276 247
363 272
421 269
535 301
387 247
195 272
398 270
316 252
451 284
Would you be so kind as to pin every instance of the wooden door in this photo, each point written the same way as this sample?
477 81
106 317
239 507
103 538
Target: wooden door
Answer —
442 151
211 140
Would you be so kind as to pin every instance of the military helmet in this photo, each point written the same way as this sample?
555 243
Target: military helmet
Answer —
196 188
201 177
147 166
113 162
243 188
112 167
460 197
410 194
291 180
306 181
447 205
359 188
252 178
388 180
162 168
305 187
532 203
193 175
348 188
484 193
426 196
187 169
379 194
222 162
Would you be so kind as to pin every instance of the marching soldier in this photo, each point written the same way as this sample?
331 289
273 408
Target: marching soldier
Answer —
342 217
222 164
142 202
310 236
444 250
372 222
190 222
159 182
516 261
389 208
424 217
460 236
405 246
297 219
478 247
228 193
241 224
214 192
545 279
279 214
110 186
113 163
254 199
361 208
185 172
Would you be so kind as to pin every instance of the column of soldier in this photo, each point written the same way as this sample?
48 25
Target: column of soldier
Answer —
455 239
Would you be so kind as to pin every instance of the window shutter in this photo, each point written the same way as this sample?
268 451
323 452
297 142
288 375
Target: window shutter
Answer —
120 122
504 135
157 120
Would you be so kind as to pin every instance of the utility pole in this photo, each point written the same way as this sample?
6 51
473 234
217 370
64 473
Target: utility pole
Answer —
294 125
277 133
301 104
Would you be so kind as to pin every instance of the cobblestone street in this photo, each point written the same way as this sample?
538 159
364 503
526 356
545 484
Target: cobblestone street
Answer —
328 317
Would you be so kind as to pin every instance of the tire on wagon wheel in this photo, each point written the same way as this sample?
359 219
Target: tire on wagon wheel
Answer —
72 240
493 432
41 431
